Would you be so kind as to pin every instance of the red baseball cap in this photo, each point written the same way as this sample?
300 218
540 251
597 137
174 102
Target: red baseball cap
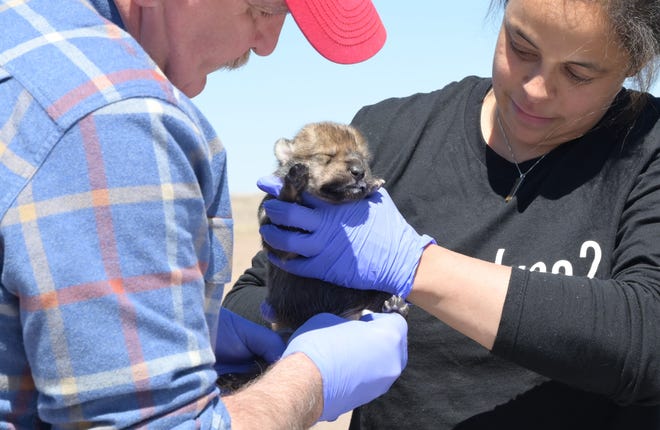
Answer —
343 31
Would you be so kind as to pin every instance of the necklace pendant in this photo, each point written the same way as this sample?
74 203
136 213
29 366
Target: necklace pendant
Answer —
514 189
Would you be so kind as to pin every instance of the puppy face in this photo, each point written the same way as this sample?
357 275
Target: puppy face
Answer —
337 159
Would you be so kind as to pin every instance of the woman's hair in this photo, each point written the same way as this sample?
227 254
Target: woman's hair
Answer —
636 25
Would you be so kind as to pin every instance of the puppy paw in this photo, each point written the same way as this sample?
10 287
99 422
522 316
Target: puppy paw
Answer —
396 304
297 177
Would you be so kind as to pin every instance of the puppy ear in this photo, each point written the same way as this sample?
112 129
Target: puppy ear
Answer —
283 150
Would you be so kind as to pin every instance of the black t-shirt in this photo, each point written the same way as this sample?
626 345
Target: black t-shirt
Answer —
579 341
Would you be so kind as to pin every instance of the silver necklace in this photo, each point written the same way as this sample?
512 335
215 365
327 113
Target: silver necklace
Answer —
521 175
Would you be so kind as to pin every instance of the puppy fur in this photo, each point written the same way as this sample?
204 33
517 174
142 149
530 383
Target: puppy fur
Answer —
329 161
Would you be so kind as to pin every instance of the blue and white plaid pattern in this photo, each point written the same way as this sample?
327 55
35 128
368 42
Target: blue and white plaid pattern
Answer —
115 227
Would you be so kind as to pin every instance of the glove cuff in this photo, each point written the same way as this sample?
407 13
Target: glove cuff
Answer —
423 242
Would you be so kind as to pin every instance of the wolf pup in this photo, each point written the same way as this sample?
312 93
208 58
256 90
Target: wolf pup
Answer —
331 162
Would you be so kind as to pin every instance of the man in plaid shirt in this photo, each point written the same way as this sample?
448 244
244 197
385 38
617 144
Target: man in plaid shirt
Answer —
116 230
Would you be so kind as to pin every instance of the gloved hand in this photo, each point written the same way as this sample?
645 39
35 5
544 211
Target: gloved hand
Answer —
358 360
240 342
366 244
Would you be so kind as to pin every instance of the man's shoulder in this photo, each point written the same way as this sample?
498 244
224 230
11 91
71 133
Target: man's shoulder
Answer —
72 61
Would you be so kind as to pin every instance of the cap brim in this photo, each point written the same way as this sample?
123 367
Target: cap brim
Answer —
343 31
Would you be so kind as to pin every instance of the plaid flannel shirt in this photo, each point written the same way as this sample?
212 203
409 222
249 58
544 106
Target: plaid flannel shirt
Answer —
115 230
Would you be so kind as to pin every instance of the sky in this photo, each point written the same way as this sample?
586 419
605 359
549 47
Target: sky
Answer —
430 43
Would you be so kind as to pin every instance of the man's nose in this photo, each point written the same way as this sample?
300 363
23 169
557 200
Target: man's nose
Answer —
268 33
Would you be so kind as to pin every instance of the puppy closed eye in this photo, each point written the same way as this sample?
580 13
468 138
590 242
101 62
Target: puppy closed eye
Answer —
323 158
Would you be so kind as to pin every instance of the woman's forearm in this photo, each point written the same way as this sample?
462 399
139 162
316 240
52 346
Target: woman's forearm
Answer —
466 293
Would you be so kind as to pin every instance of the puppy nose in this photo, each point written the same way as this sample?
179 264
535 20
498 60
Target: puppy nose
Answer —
357 171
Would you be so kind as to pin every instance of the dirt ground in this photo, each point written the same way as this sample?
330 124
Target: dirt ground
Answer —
246 244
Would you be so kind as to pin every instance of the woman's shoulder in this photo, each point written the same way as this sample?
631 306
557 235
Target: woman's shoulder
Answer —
421 109
454 92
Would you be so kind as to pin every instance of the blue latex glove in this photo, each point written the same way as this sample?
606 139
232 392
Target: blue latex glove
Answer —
240 342
358 360
365 244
